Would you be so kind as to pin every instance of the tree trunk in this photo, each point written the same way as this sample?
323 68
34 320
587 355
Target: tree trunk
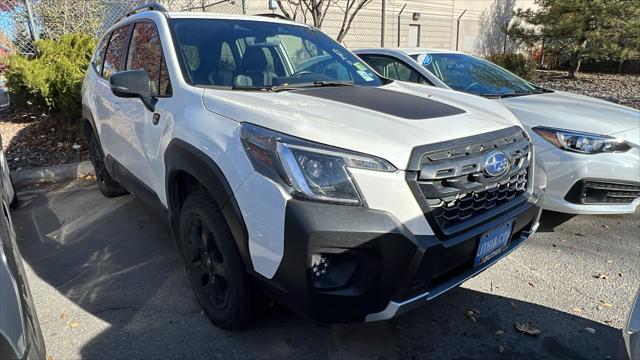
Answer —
620 63
576 60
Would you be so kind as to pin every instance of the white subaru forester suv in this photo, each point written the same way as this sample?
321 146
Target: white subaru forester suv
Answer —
283 161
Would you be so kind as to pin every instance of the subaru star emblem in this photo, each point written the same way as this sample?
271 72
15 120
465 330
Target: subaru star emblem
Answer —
496 163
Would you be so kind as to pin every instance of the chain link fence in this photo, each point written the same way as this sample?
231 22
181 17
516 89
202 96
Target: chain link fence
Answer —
387 23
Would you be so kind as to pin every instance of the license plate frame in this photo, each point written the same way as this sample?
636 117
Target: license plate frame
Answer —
493 242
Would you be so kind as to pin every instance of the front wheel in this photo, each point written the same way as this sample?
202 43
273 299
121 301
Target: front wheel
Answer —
213 264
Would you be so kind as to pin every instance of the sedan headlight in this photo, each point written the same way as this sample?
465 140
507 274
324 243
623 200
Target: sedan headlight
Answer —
306 169
582 142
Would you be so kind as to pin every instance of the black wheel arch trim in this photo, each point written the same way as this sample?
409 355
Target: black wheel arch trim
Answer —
181 156
87 117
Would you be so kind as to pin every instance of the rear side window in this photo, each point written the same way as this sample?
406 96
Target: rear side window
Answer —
145 53
98 56
115 52
394 69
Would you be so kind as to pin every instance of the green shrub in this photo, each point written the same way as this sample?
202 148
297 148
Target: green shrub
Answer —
516 63
53 78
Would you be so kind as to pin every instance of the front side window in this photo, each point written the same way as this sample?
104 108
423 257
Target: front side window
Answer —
145 53
476 76
394 69
113 60
256 55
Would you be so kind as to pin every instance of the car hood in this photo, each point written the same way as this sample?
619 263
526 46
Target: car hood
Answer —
574 112
374 121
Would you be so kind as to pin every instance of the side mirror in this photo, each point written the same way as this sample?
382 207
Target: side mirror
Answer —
133 84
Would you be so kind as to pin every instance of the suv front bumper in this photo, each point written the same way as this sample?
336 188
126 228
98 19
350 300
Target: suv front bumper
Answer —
376 268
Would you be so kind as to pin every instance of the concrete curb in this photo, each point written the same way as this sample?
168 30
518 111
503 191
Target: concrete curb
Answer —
50 174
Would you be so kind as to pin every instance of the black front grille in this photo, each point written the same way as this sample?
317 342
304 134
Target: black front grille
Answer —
465 206
603 192
454 191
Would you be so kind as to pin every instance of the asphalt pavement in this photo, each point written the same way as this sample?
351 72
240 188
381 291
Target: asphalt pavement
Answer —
108 284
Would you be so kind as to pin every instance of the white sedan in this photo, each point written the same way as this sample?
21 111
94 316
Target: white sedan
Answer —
589 147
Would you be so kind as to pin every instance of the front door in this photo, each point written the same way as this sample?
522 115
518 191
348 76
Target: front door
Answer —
145 125
414 36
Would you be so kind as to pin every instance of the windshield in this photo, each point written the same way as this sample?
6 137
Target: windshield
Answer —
245 55
469 74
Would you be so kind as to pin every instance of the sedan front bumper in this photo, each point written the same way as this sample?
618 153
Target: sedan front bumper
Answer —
567 171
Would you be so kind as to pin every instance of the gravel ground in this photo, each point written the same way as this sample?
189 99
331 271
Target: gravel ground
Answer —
120 292
32 139
621 89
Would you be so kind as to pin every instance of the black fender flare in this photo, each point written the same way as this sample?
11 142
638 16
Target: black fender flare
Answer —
87 117
182 156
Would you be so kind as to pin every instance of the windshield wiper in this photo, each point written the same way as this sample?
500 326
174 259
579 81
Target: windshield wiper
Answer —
317 83
512 94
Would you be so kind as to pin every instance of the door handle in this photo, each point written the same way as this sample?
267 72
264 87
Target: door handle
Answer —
156 118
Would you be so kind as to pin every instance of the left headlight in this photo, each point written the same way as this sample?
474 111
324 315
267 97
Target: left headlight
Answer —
306 169
582 142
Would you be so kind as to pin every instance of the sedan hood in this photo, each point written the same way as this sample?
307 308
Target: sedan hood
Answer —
574 112
387 122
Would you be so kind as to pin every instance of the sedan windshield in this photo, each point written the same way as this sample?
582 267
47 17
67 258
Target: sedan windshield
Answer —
252 55
472 75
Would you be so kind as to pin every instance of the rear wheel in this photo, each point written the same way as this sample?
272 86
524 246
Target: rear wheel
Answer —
213 264
108 187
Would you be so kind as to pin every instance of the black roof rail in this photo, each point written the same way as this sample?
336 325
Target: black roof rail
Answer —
153 6
275 16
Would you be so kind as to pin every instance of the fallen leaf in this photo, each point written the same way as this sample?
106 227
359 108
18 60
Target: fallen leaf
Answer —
532 284
606 304
49 357
471 314
63 316
577 310
527 328
603 276
605 226
499 332
609 261
589 330
500 349
620 274
73 324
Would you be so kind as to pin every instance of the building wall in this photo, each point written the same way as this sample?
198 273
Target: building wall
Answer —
479 29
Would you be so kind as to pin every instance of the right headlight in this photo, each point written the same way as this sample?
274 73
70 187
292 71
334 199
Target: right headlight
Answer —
306 169
581 142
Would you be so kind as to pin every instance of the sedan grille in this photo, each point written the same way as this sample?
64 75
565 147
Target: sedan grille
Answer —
603 192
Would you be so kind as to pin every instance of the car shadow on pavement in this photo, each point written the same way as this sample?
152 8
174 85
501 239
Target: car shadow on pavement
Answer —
116 261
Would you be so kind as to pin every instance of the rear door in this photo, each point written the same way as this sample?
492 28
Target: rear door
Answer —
113 137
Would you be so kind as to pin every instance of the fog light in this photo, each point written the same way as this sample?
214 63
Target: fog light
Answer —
331 271
319 265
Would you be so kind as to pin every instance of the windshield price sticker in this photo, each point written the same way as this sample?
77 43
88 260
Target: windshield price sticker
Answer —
366 75
360 66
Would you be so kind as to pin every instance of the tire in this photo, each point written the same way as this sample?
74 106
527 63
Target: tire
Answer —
213 264
14 200
107 186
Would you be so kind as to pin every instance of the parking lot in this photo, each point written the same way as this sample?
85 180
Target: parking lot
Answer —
108 283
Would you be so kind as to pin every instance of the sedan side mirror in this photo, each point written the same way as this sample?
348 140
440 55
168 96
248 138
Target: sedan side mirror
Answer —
133 84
